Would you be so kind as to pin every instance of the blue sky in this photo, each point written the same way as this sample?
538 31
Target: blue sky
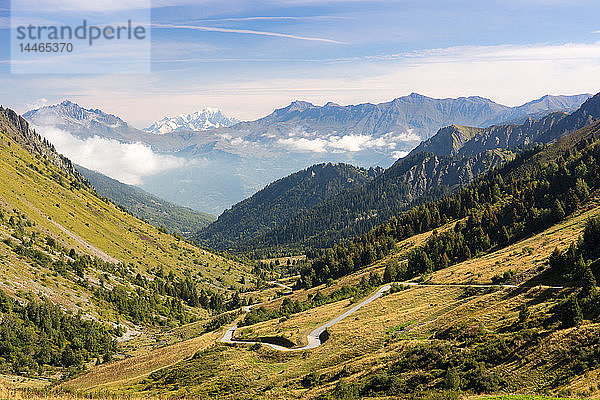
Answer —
249 57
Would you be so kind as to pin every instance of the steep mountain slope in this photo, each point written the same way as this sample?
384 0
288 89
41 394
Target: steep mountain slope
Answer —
80 278
207 118
143 205
281 200
59 238
413 179
537 190
16 128
451 159
465 141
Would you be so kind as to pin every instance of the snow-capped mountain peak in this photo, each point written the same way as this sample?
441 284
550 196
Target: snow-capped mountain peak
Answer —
67 111
207 118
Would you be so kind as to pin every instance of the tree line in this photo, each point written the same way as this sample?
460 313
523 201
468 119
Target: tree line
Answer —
504 205
39 334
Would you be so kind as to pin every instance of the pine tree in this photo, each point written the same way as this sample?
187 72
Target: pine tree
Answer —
504 236
591 239
390 272
558 210
452 379
571 313
588 280
524 315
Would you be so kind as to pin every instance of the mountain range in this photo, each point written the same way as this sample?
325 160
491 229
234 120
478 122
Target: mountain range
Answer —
452 158
489 290
232 163
207 118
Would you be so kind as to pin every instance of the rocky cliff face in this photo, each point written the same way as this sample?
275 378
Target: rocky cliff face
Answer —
17 128
468 141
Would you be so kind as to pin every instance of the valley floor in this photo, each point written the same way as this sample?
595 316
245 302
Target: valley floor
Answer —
459 300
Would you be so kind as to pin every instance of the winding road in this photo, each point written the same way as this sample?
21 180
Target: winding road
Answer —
313 337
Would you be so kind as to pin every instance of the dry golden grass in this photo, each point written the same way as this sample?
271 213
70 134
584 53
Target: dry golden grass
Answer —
403 248
8 393
298 327
587 385
364 342
524 257
121 372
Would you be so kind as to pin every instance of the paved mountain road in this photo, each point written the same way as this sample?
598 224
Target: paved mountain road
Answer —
313 337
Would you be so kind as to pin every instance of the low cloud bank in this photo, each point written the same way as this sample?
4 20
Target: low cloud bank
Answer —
125 162
351 143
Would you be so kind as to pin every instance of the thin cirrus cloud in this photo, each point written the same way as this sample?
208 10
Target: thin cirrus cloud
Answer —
126 162
248 32
276 18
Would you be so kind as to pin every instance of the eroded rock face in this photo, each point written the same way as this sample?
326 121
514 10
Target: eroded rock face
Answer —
17 128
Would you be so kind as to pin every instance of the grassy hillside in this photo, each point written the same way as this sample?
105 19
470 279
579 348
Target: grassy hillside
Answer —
158 212
399 345
78 219
517 313
61 243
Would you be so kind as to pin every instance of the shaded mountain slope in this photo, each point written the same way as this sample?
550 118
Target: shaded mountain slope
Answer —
449 160
143 205
281 200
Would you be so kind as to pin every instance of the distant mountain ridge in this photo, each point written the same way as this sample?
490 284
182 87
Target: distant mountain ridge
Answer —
82 122
420 114
455 156
207 118
237 161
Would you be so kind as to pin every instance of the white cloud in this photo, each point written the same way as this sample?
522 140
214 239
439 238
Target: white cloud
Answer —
347 143
303 144
408 137
128 163
238 141
399 154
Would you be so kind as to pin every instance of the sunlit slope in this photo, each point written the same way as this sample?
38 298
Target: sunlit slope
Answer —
78 219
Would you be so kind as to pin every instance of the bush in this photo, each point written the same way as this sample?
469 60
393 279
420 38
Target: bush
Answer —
310 380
